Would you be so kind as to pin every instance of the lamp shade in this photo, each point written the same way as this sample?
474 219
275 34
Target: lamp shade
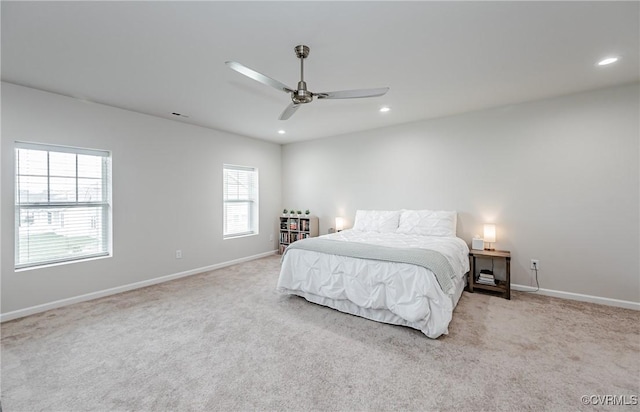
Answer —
339 224
490 233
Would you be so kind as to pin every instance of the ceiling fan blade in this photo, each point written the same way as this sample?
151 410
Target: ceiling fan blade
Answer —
289 111
352 94
242 69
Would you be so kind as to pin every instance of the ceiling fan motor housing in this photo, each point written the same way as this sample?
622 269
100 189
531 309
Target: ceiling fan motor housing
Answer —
302 95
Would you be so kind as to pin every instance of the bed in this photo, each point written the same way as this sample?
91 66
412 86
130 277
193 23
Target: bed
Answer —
402 267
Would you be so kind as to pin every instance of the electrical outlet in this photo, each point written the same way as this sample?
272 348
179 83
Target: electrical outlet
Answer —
178 254
535 264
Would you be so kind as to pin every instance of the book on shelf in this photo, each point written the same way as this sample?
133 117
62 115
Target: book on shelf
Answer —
485 277
293 225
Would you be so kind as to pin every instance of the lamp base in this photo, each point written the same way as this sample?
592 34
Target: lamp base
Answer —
488 247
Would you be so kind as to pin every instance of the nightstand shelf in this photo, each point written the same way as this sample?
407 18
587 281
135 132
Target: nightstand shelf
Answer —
502 287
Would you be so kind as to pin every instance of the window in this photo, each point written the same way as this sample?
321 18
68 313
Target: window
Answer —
63 204
240 201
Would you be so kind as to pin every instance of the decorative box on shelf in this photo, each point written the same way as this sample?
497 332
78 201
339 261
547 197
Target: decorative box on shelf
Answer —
477 244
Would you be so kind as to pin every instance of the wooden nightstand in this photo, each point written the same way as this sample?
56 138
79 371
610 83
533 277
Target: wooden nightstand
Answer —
502 287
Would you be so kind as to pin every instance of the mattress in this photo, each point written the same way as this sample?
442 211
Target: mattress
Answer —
389 292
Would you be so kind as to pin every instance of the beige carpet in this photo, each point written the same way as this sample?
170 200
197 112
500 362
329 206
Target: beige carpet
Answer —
225 340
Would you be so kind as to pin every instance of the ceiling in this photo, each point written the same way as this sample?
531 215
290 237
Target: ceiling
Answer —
438 58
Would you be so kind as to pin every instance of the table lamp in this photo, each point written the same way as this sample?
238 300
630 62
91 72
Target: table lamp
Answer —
489 235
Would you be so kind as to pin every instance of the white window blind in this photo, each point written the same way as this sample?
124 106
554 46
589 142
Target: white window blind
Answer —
240 201
63 204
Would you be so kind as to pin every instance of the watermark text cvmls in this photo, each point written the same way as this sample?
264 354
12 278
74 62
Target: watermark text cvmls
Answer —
609 400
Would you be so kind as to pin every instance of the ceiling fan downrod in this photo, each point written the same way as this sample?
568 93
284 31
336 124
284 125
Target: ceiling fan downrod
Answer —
302 95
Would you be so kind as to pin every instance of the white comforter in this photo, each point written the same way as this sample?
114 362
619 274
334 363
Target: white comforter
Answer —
396 293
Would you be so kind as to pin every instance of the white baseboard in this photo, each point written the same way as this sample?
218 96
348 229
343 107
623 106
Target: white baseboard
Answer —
119 289
577 296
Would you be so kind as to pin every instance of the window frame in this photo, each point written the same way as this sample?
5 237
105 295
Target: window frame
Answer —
252 201
50 207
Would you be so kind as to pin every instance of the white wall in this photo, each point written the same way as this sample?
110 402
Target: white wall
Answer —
560 177
167 194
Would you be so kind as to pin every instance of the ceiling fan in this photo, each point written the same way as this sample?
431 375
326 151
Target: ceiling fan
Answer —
301 95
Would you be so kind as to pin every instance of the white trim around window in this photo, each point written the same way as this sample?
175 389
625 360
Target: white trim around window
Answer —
240 201
62 204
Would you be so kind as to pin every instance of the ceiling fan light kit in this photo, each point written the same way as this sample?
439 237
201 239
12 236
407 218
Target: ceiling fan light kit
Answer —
301 95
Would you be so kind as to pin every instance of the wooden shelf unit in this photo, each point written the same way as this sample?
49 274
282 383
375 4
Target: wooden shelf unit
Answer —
294 228
502 287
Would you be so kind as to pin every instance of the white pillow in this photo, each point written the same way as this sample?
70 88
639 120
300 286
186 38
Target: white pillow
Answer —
382 221
428 222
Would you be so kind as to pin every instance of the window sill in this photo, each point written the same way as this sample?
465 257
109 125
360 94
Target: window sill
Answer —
50 265
229 237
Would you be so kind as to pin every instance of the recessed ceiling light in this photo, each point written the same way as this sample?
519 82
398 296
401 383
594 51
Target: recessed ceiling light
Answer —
385 109
281 132
608 60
